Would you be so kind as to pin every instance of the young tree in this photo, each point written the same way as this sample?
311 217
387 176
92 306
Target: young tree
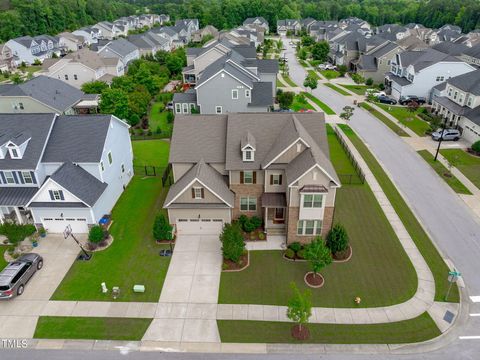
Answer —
337 239
300 307
311 81
162 230
95 235
320 51
347 113
318 255
285 99
302 53
357 78
342 70
94 87
307 40
232 242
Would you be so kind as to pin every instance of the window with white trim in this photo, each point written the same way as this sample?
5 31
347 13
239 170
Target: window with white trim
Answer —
455 94
9 177
102 166
178 108
75 77
276 179
248 203
185 108
234 94
248 155
309 227
27 177
449 91
312 200
440 78
247 93
197 192
218 110
66 77
469 101
14 153
20 105
110 158
57 194
248 177
123 168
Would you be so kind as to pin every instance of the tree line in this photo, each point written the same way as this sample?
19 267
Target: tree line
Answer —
225 14
35 17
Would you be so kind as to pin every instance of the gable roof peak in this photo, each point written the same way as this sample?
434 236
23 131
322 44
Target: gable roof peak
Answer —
248 140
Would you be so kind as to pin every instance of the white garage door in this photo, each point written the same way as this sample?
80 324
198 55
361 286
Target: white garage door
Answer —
199 226
58 225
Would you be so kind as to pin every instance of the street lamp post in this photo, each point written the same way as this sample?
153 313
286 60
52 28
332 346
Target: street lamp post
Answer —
441 138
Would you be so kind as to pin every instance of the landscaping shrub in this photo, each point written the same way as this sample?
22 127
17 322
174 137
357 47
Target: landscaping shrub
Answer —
248 226
342 70
242 219
369 82
261 236
232 242
256 221
381 86
476 146
162 230
301 254
16 233
289 253
357 78
95 235
295 246
170 117
337 239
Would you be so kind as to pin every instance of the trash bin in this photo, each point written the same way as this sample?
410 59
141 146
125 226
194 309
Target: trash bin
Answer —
354 102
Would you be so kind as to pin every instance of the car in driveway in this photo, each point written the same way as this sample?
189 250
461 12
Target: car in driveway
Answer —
374 92
16 275
169 105
448 135
405 100
384 99
327 66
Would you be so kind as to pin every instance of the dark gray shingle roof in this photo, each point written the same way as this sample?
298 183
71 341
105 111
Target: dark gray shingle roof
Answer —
77 138
261 94
16 196
469 82
79 182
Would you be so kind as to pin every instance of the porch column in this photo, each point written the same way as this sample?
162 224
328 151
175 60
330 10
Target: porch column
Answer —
2 217
19 216
266 218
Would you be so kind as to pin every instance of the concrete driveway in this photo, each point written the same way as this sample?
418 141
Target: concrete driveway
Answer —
186 311
18 317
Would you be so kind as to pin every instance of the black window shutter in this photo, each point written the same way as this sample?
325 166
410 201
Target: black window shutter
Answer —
15 177
271 179
61 194
241 177
280 180
20 176
254 177
203 193
51 195
32 173
4 181
193 193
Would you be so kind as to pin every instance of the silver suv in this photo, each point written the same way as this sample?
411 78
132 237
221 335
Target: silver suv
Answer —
448 134
16 275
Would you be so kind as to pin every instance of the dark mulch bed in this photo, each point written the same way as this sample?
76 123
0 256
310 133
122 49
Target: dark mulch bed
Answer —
473 152
167 241
314 280
229 265
254 235
300 333
342 255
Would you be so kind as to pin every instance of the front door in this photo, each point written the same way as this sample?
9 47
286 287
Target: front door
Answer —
279 213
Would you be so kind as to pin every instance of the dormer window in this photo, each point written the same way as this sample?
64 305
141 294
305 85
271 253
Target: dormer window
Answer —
248 155
14 153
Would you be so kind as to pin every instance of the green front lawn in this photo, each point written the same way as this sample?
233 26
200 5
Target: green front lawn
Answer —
300 103
320 103
330 74
418 235
357 89
133 257
280 83
31 69
468 164
314 74
150 152
341 162
393 126
421 328
443 172
337 89
375 246
407 118
94 328
157 120
3 263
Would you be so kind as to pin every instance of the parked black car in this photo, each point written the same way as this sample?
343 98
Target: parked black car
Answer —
386 100
16 275
405 100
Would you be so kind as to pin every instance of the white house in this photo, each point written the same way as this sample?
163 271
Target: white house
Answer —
417 72
62 170
69 42
29 49
90 34
120 49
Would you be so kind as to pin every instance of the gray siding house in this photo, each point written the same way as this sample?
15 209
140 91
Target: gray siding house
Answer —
275 166
62 170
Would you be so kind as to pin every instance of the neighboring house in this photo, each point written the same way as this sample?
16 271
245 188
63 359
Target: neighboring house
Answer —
29 49
230 79
392 32
190 25
90 34
451 48
62 170
307 23
472 55
7 61
107 30
448 33
355 22
186 102
162 19
412 42
275 166
83 66
149 43
375 64
70 42
288 25
459 102
169 34
258 21
417 72
121 49
325 30
44 94
209 30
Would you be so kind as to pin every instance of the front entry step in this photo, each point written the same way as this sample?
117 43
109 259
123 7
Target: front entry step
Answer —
276 231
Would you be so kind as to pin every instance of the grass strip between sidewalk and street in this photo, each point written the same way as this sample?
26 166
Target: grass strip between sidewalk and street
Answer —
357 89
468 164
407 118
280 83
444 173
394 127
428 250
421 328
289 81
91 328
313 74
327 109
337 89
